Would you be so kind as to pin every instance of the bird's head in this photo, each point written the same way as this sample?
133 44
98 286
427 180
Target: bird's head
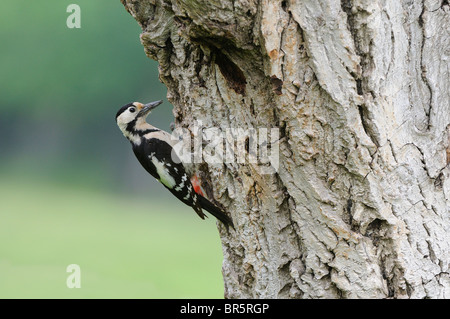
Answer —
131 117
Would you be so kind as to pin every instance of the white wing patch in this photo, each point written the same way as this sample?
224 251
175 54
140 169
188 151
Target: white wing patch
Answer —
181 186
189 193
164 176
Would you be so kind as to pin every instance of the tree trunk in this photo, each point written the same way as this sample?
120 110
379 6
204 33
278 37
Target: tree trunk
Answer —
358 91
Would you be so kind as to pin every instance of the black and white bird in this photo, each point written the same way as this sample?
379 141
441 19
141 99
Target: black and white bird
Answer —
154 150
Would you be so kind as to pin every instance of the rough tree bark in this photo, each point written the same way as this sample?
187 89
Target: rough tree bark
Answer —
359 90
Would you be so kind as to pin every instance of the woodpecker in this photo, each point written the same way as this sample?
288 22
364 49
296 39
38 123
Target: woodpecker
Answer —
154 150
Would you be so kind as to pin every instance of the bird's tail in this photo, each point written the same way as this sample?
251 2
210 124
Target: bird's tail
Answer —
215 211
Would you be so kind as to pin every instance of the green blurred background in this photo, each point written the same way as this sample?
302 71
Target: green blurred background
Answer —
71 191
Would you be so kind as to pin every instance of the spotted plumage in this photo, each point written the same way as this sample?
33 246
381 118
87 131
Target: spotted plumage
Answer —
154 150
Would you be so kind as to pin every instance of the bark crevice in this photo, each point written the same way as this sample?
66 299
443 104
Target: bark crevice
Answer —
358 89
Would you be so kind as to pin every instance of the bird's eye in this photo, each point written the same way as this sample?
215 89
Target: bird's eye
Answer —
132 109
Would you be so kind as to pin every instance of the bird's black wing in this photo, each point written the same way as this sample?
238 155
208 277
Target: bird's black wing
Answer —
156 156
159 159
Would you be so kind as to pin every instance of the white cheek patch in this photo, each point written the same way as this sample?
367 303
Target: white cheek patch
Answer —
164 176
125 118
122 122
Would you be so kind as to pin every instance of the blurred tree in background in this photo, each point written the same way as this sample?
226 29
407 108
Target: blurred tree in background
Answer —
61 89
71 190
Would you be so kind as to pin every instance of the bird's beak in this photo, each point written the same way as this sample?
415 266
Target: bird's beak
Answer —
148 107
